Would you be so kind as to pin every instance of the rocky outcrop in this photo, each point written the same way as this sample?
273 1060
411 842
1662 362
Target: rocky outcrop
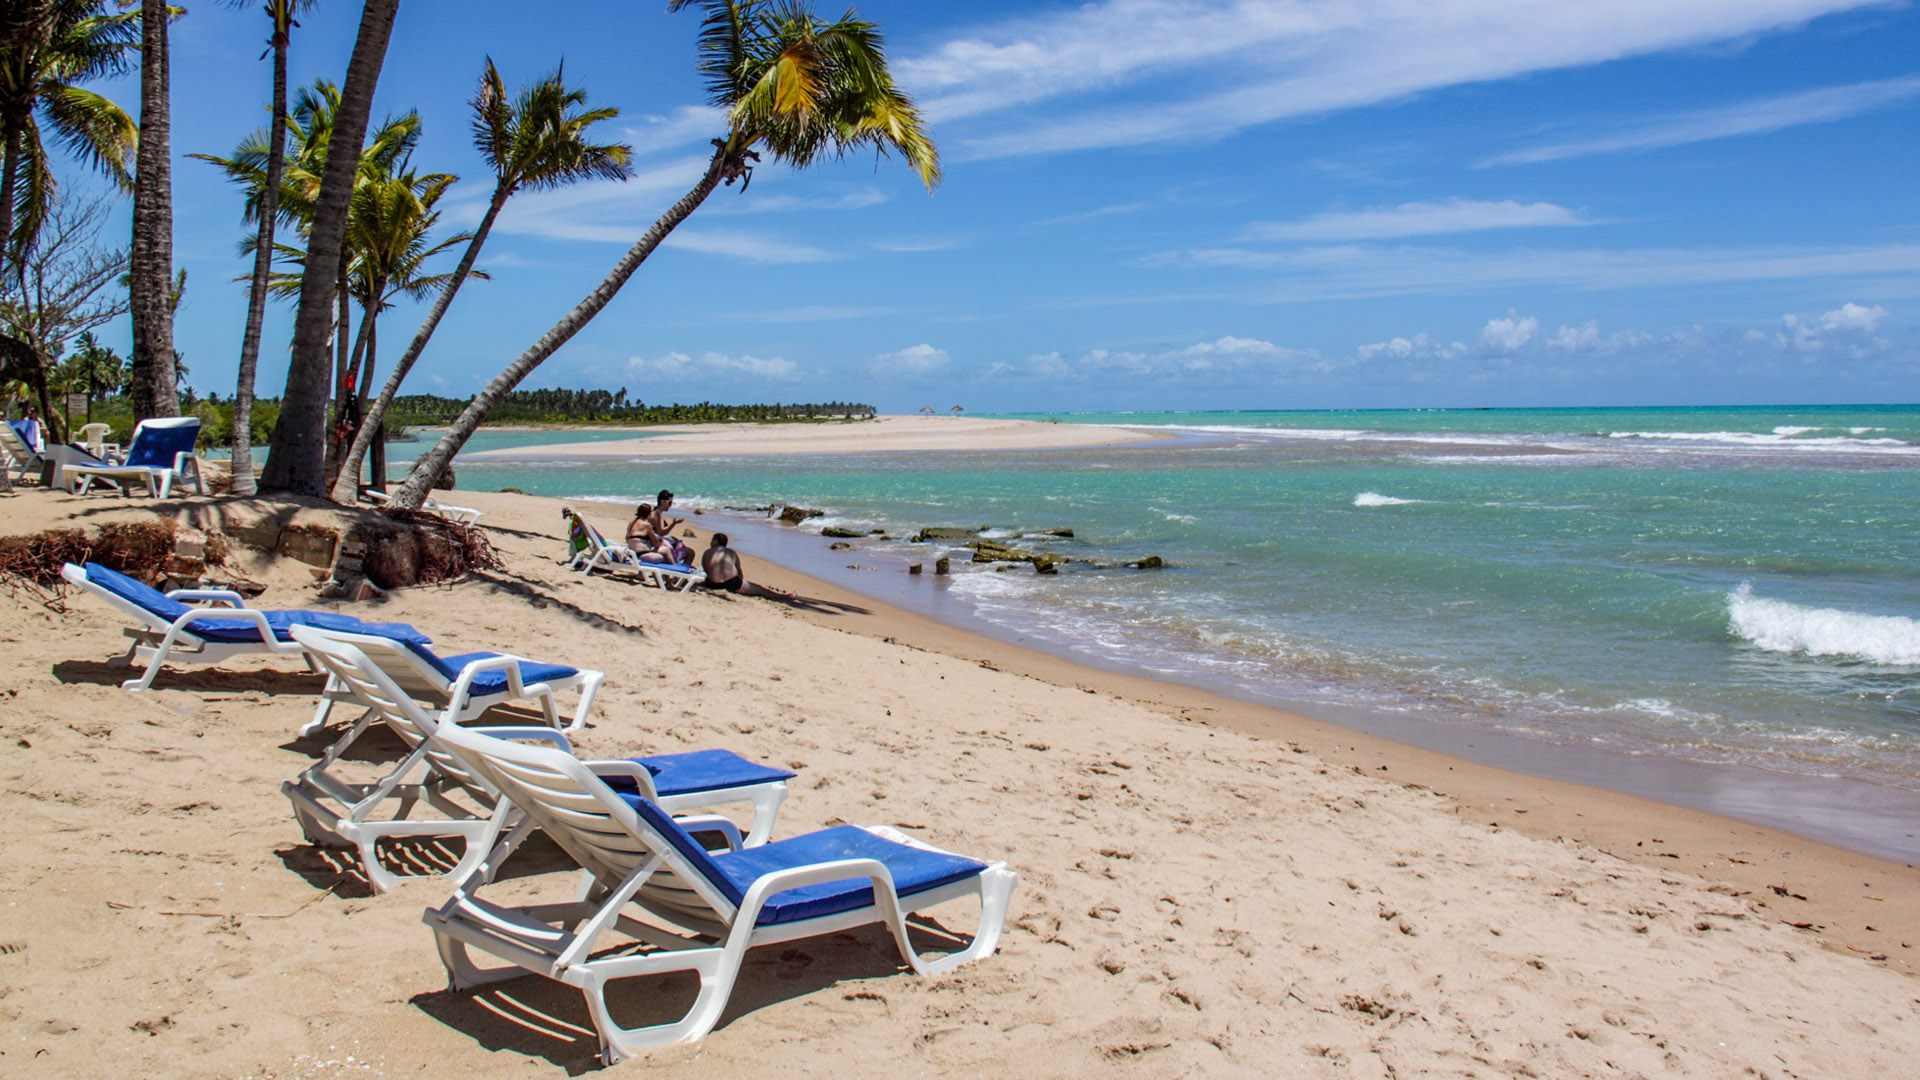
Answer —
936 533
842 534
794 515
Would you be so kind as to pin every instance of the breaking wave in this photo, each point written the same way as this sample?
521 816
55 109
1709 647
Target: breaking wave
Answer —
1781 626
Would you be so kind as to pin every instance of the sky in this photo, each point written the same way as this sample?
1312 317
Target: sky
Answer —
1165 204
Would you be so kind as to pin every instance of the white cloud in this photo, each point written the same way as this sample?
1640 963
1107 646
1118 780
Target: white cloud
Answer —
857 199
1224 65
1222 355
1851 316
1418 219
1745 118
687 124
1508 334
752 247
918 359
1319 273
1421 346
1586 338
678 365
606 211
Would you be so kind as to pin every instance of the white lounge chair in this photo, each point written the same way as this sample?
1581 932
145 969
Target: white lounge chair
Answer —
588 551
160 454
23 455
465 515
429 679
335 812
705 909
167 629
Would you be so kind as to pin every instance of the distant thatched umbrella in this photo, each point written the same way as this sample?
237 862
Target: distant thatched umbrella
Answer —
928 409
957 409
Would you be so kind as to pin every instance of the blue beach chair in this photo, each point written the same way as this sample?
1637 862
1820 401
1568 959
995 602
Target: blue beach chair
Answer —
166 628
588 551
160 454
703 910
335 812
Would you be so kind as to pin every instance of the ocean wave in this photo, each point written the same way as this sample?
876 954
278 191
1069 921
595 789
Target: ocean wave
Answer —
1374 498
1784 627
1785 437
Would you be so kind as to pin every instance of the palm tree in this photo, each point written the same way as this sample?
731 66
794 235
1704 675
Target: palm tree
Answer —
298 460
150 259
535 140
387 235
48 47
796 86
282 13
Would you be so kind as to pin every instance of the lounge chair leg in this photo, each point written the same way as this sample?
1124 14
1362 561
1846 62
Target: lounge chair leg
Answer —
462 973
996 892
717 969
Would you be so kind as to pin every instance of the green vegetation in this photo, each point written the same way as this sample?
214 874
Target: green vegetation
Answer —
607 407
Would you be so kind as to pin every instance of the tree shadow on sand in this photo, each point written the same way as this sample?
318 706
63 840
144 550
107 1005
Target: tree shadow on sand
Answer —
541 1018
206 680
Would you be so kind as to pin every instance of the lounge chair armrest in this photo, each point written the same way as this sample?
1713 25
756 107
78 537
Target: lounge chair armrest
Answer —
530 734
462 687
216 596
695 824
632 770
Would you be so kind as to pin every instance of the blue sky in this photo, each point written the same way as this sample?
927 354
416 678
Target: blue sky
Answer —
1174 204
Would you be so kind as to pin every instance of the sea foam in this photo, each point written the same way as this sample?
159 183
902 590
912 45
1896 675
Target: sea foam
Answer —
1374 498
1780 626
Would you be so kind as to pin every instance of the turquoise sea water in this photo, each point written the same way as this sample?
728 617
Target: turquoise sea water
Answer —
1710 585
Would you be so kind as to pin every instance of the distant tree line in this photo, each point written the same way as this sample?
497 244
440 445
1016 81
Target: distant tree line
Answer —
609 407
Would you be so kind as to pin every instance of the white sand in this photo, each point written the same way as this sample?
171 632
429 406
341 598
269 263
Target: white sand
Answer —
881 434
1195 900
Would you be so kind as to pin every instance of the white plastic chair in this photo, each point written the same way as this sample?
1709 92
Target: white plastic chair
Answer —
705 910
335 812
589 551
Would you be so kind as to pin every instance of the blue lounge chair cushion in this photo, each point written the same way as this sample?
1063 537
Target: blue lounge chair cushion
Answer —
734 872
696 771
229 630
492 682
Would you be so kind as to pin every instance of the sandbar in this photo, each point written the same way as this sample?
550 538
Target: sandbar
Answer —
882 434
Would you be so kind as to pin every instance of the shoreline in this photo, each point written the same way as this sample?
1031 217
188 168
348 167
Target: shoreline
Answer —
1632 827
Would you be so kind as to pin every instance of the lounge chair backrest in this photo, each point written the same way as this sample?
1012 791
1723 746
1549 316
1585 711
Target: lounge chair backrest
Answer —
157 444
603 831
346 656
135 597
29 433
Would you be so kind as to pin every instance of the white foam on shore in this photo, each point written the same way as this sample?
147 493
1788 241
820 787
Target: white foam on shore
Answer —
1374 498
1784 627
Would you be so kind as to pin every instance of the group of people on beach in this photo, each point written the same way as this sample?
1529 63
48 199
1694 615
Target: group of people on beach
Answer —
650 536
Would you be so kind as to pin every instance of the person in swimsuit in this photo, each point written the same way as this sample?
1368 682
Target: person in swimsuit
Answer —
644 541
722 567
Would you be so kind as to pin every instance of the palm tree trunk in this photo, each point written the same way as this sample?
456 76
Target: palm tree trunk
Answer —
428 469
150 260
298 460
243 478
373 428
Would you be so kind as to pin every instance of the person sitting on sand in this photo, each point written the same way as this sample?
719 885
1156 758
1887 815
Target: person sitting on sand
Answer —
643 540
722 567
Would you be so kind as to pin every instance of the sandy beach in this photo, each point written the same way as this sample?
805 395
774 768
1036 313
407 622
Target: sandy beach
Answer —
882 434
1207 887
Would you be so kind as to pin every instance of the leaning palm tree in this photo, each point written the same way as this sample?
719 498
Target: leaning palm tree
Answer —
298 460
536 139
793 85
47 48
281 13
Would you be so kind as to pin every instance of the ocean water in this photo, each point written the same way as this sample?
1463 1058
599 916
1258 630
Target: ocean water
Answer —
1716 586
